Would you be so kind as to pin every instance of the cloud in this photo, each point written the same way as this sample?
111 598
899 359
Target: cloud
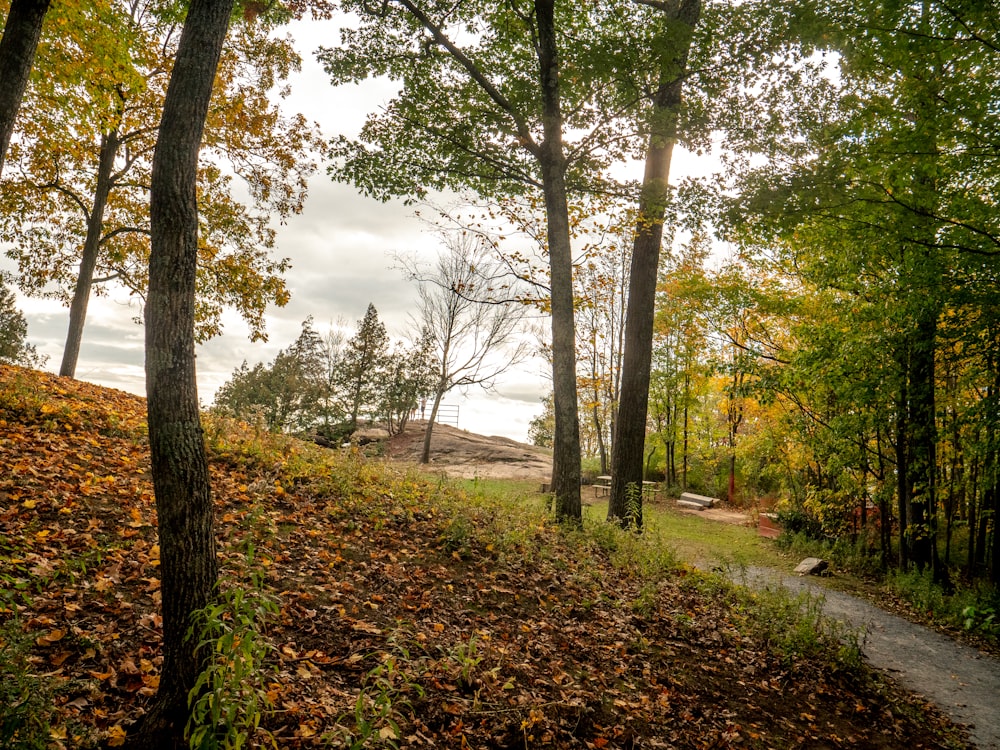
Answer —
342 251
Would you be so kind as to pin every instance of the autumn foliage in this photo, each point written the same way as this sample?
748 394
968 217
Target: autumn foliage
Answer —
409 613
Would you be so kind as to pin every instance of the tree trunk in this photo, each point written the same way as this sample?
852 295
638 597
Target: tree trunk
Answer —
922 468
902 461
630 433
91 250
425 456
599 431
971 515
188 569
684 450
17 52
566 438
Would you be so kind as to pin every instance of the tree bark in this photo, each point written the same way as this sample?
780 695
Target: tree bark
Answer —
17 52
630 433
552 160
425 455
902 462
188 568
88 260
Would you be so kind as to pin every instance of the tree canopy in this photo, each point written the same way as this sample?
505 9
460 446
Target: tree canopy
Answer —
74 201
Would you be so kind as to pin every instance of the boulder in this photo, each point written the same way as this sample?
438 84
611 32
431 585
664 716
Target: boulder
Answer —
812 566
369 435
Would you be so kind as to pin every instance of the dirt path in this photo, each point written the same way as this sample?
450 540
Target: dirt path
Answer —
960 679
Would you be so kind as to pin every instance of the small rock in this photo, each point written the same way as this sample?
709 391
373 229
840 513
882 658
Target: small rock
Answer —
811 566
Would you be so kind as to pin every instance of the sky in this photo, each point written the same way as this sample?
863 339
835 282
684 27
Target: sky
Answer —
342 248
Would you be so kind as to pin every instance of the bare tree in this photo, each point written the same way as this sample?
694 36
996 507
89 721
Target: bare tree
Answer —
469 310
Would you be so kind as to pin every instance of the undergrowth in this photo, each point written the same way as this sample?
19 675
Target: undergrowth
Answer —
973 608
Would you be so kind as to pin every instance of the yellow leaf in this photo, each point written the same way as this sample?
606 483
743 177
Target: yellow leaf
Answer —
387 733
116 736
51 637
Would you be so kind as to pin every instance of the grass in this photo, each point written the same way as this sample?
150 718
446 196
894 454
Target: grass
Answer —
704 543
412 610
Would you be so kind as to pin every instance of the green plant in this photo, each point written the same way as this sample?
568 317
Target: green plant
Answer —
982 618
456 535
467 656
633 503
794 626
230 695
645 604
25 697
384 695
918 588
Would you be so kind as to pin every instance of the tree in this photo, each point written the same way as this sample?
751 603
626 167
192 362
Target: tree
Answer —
362 362
14 350
21 33
602 288
540 428
409 377
466 324
886 208
188 566
485 106
288 394
674 27
76 207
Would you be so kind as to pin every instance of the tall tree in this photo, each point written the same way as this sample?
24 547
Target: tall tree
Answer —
188 566
602 287
674 23
362 363
485 106
22 30
288 394
884 199
76 208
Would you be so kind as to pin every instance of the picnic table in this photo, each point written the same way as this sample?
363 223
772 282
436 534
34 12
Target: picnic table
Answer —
602 487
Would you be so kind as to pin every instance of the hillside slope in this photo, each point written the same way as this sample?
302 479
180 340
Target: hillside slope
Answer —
408 612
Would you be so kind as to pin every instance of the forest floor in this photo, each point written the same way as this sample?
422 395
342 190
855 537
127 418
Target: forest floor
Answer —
961 679
408 612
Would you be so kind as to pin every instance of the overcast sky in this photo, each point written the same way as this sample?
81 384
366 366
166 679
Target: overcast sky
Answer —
341 249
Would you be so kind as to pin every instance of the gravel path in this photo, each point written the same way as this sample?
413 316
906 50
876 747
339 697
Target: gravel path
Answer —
960 679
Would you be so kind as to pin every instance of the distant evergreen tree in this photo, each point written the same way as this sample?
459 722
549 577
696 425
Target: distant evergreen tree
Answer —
14 350
288 394
408 376
359 375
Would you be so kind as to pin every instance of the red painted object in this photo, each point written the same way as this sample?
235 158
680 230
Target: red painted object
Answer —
767 526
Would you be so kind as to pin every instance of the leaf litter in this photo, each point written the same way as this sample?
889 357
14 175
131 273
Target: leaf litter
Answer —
412 613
